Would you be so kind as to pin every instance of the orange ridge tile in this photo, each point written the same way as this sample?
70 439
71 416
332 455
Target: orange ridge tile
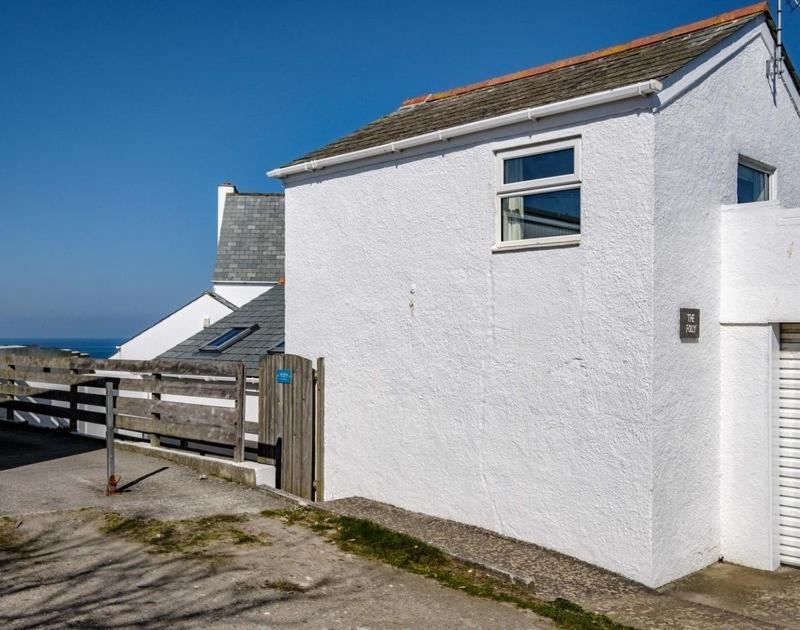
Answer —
729 16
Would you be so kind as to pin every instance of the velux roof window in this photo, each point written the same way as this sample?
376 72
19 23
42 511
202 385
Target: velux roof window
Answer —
228 338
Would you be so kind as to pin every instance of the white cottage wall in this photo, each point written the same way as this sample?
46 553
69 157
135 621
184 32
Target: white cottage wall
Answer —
173 329
507 390
240 293
747 507
699 138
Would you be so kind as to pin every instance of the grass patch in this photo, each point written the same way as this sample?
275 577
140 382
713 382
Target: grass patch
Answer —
11 541
370 540
191 536
285 586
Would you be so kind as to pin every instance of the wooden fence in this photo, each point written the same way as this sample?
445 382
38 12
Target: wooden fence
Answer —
291 422
200 401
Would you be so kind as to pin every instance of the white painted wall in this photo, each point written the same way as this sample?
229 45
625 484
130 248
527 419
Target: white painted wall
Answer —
223 190
545 394
749 411
761 256
762 276
173 329
698 140
240 293
515 394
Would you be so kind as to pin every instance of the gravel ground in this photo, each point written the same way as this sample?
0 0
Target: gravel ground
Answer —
71 574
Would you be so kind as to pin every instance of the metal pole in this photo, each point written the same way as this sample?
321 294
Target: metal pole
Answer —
113 479
779 53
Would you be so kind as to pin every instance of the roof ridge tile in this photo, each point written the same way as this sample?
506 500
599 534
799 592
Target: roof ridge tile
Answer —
728 16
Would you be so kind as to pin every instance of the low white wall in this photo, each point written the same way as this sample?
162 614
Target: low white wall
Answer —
760 263
240 294
173 329
748 410
760 289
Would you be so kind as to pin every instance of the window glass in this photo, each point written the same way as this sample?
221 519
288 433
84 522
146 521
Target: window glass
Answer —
224 338
751 185
556 213
539 166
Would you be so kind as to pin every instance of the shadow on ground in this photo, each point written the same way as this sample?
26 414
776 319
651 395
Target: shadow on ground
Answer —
92 580
22 445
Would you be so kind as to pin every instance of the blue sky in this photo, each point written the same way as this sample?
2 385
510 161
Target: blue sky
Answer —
118 120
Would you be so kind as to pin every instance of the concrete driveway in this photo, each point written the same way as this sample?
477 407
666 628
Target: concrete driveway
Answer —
59 568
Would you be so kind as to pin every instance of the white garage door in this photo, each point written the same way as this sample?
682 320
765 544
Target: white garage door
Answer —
789 444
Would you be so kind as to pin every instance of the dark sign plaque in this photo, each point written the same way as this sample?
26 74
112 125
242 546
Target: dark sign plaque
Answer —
690 323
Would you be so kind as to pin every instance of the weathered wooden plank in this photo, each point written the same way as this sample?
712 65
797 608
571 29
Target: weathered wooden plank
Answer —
199 388
263 430
62 378
205 414
71 395
307 420
74 392
161 366
56 412
155 416
319 431
177 411
48 393
238 421
26 390
225 390
188 431
296 393
251 427
10 410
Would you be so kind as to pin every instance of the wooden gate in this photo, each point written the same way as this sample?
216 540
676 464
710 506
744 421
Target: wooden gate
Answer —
290 422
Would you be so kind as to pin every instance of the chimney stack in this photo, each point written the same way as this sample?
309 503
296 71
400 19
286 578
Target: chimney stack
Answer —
223 190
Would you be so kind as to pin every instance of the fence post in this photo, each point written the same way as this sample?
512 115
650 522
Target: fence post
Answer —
238 447
10 408
113 478
155 440
319 430
73 405
262 411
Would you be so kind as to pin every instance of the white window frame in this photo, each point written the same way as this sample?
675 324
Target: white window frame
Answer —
761 167
535 186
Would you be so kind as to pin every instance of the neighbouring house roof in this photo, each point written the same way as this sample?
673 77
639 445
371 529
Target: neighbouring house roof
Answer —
210 294
654 57
251 244
266 311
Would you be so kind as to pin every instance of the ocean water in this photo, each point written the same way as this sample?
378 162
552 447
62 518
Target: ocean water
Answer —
95 348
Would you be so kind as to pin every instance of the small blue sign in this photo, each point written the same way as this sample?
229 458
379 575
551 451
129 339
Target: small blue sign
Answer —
283 376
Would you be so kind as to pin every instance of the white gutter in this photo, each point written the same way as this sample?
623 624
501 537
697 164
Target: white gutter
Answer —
644 88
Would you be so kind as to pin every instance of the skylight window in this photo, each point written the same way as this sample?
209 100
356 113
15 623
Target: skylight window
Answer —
228 338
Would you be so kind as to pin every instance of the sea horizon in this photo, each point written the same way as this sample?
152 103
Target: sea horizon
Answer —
95 347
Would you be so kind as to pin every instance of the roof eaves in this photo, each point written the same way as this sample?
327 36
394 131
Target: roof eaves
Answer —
754 9
177 310
222 300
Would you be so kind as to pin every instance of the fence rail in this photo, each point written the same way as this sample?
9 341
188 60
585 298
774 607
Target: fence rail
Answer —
188 400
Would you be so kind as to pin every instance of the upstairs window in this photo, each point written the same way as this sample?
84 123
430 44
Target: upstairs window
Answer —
228 338
753 181
539 195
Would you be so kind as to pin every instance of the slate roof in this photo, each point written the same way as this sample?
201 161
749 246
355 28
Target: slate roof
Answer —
251 240
654 57
267 310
